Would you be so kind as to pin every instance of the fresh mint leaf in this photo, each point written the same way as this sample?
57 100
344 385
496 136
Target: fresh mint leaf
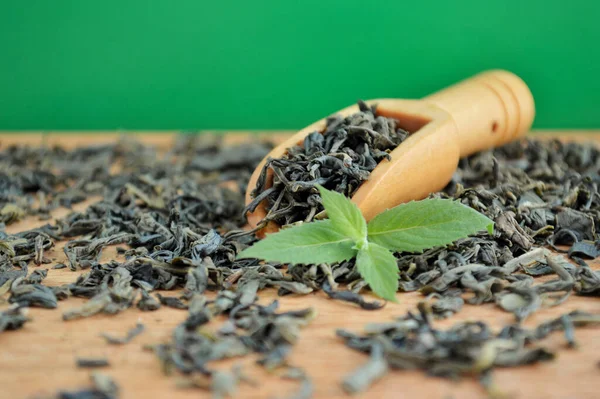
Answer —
378 267
418 225
345 216
315 242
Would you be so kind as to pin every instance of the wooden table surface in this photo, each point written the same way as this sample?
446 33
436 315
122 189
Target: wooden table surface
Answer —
40 358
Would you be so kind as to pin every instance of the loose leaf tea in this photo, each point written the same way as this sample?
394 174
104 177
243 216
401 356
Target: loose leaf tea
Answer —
249 328
26 294
340 158
177 217
468 348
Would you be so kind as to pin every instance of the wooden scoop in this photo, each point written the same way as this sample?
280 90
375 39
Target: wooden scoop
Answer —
488 110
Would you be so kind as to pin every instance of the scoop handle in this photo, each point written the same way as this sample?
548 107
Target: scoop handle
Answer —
489 109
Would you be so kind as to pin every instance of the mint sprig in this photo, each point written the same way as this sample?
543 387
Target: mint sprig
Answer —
410 227
345 216
316 242
419 225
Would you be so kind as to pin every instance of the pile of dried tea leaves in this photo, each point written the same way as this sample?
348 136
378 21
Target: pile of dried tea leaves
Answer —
249 328
178 220
539 194
340 158
180 216
467 348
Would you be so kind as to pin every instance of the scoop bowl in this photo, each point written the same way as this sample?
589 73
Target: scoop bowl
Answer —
486 111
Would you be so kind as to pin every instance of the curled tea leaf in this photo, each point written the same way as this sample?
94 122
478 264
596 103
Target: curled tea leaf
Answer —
364 376
352 297
131 334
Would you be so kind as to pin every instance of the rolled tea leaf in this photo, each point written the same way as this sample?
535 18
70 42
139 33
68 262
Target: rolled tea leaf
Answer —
306 390
131 334
352 297
364 376
92 362
13 318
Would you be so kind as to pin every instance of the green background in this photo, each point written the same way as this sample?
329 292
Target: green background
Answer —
196 64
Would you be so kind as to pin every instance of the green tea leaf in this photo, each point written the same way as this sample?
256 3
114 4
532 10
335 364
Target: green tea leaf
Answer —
345 216
419 225
315 242
378 267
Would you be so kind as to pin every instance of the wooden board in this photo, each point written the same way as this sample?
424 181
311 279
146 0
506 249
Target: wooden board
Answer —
40 359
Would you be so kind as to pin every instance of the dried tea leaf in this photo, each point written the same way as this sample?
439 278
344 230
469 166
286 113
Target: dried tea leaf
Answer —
131 334
349 296
521 302
511 302
147 302
584 249
13 318
103 388
364 376
171 302
32 295
88 362
306 390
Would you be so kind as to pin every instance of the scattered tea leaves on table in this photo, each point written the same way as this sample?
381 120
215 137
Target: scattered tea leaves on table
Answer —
177 217
466 348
